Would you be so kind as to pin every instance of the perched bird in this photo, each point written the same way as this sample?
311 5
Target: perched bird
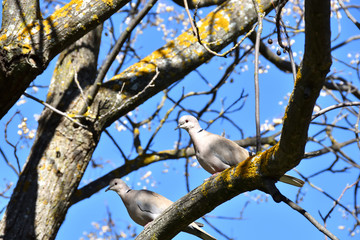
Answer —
216 153
144 206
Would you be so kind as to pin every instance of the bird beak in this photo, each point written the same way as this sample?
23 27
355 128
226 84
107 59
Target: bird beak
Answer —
176 128
109 188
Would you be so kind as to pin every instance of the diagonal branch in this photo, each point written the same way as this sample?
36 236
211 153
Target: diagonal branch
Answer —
277 160
37 41
182 55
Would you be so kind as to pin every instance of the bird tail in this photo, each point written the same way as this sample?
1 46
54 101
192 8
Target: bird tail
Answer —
292 180
194 229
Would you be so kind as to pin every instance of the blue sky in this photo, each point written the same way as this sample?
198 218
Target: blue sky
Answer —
262 218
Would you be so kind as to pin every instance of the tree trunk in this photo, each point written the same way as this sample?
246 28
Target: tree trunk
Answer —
60 153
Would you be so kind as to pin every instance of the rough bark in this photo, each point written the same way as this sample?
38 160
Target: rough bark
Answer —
250 174
62 150
30 43
174 60
60 153
178 58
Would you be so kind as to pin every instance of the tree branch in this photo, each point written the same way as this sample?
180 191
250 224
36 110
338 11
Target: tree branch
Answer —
246 176
182 55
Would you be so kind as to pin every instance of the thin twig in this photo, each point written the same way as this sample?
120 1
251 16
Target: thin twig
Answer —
280 6
117 145
348 14
189 16
79 87
54 110
216 229
135 97
195 31
8 163
307 215
341 195
340 105
340 204
110 59
260 16
12 145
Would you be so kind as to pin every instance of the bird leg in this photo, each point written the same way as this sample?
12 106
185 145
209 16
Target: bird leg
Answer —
147 224
214 174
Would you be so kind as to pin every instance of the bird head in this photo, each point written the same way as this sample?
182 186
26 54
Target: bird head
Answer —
188 122
117 185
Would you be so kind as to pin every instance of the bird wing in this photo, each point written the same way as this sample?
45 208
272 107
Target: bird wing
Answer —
226 150
144 206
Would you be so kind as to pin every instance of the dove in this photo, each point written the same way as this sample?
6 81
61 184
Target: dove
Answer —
216 153
144 206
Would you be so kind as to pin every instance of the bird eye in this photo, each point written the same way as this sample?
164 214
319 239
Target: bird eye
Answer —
186 120
116 183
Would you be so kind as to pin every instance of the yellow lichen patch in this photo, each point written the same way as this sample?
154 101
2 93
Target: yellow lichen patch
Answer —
139 149
3 37
79 167
48 25
186 39
65 10
26 48
217 21
78 4
148 64
266 156
49 167
144 68
204 189
45 202
150 159
298 76
42 167
95 17
261 6
108 2
247 168
164 52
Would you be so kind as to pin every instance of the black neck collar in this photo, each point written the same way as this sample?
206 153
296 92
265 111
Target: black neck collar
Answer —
200 130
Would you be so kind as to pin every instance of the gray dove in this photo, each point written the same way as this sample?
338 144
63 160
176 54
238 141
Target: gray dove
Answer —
144 206
216 153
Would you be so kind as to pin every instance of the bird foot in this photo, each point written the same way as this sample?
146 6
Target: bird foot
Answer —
211 176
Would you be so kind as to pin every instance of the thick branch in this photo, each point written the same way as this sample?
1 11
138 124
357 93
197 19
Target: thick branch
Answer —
180 56
60 153
309 81
195 3
147 159
29 48
277 160
203 199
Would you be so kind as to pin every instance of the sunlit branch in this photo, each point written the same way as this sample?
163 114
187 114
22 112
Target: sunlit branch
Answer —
260 16
340 105
115 51
348 14
311 219
55 110
328 149
350 39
